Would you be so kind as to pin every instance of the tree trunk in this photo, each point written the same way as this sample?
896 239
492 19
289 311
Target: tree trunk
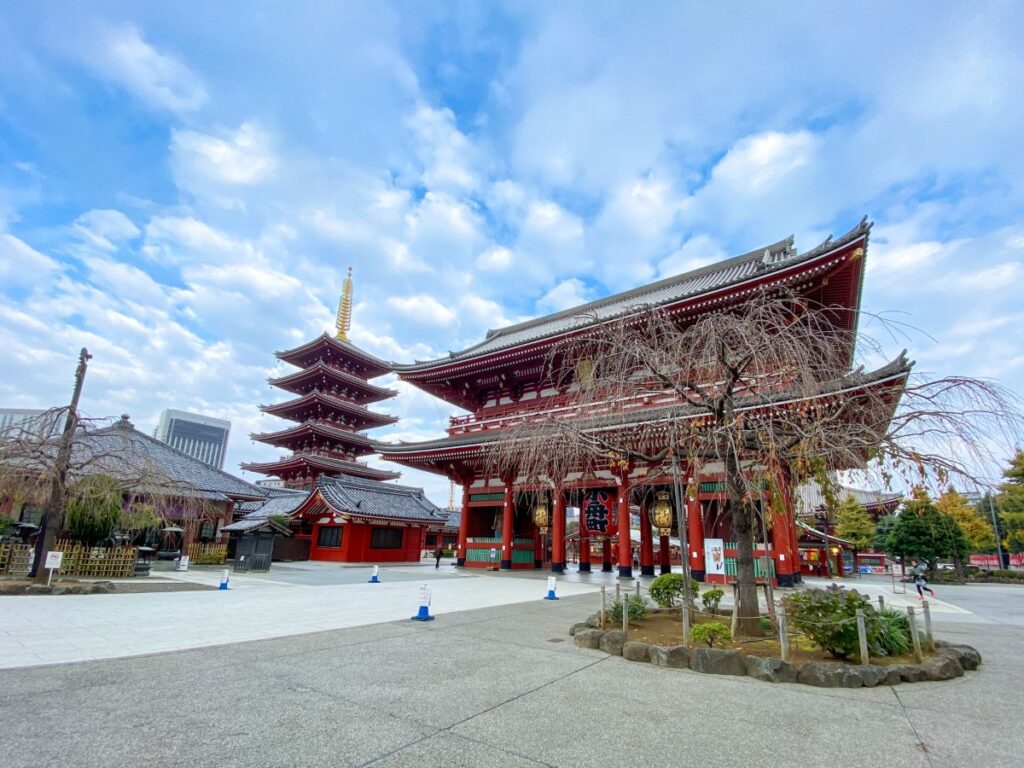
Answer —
743 532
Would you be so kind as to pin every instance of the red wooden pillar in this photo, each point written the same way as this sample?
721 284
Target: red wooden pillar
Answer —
606 555
646 543
558 533
695 538
507 518
463 524
794 543
584 551
664 554
787 564
625 539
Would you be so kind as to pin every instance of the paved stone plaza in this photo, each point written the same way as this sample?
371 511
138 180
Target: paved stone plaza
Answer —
500 685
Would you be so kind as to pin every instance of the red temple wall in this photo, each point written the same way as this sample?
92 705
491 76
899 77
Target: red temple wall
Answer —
355 545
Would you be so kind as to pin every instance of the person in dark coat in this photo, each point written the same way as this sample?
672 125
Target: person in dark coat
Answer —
437 556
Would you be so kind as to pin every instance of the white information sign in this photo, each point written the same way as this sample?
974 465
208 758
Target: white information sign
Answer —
182 563
425 594
714 556
494 553
53 560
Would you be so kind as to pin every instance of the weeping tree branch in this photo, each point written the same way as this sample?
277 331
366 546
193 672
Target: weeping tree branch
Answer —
766 387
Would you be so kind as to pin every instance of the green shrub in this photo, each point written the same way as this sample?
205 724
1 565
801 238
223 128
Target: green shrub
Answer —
711 598
667 589
767 625
828 618
637 609
893 632
710 633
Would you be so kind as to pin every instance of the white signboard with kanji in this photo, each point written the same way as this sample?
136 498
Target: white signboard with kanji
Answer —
53 560
714 556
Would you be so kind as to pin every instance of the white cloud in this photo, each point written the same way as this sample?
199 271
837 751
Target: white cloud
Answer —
239 157
446 154
105 227
177 239
423 309
567 294
23 266
161 80
906 257
759 163
497 258
697 252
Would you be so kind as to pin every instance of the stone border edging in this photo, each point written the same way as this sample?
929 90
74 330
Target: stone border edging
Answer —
948 662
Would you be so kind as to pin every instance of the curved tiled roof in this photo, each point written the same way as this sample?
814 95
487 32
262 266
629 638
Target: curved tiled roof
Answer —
368 498
123 451
714 277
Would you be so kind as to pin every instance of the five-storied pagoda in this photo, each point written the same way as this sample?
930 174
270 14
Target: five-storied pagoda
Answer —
502 381
332 390
350 515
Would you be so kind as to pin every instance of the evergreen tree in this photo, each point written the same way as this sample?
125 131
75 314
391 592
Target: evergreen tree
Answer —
882 529
921 531
854 524
1010 503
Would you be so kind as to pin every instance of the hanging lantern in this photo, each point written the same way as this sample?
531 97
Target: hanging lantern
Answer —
540 514
662 517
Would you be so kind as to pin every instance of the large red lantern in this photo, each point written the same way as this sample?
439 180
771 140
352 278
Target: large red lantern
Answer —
597 515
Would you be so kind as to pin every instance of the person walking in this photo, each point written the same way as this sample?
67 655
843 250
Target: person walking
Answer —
437 556
922 584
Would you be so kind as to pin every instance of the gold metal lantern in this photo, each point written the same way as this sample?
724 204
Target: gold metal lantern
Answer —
662 517
540 514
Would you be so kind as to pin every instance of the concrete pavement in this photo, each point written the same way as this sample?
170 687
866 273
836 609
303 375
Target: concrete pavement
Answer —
58 629
498 686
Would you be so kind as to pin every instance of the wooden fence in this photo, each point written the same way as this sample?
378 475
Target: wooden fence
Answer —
207 554
101 562
15 559
79 560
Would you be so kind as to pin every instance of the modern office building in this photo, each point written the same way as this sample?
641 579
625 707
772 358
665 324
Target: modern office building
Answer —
201 437
34 419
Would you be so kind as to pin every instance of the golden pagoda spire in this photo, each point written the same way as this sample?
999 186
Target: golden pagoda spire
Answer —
345 308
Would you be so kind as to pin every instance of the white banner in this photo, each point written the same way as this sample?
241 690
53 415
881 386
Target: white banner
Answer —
714 556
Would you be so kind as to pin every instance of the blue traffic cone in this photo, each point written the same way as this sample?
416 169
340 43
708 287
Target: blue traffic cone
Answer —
373 576
551 589
224 579
424 612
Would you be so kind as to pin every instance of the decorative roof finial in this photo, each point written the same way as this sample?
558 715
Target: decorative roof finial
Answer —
345 308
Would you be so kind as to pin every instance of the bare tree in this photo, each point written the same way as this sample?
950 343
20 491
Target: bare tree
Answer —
41 465
760 393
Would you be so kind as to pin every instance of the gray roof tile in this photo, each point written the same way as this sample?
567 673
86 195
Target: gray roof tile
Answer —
370 498
685 286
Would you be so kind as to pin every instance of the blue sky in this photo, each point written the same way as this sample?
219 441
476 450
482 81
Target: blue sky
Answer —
182 188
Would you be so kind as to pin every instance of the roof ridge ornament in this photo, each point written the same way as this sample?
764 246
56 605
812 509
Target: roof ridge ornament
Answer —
344 322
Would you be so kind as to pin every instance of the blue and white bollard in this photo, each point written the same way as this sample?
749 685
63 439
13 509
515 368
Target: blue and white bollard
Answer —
373 576
224 576
424 612
551 589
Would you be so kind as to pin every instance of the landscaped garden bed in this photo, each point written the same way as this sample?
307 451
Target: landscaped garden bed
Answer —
819 650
